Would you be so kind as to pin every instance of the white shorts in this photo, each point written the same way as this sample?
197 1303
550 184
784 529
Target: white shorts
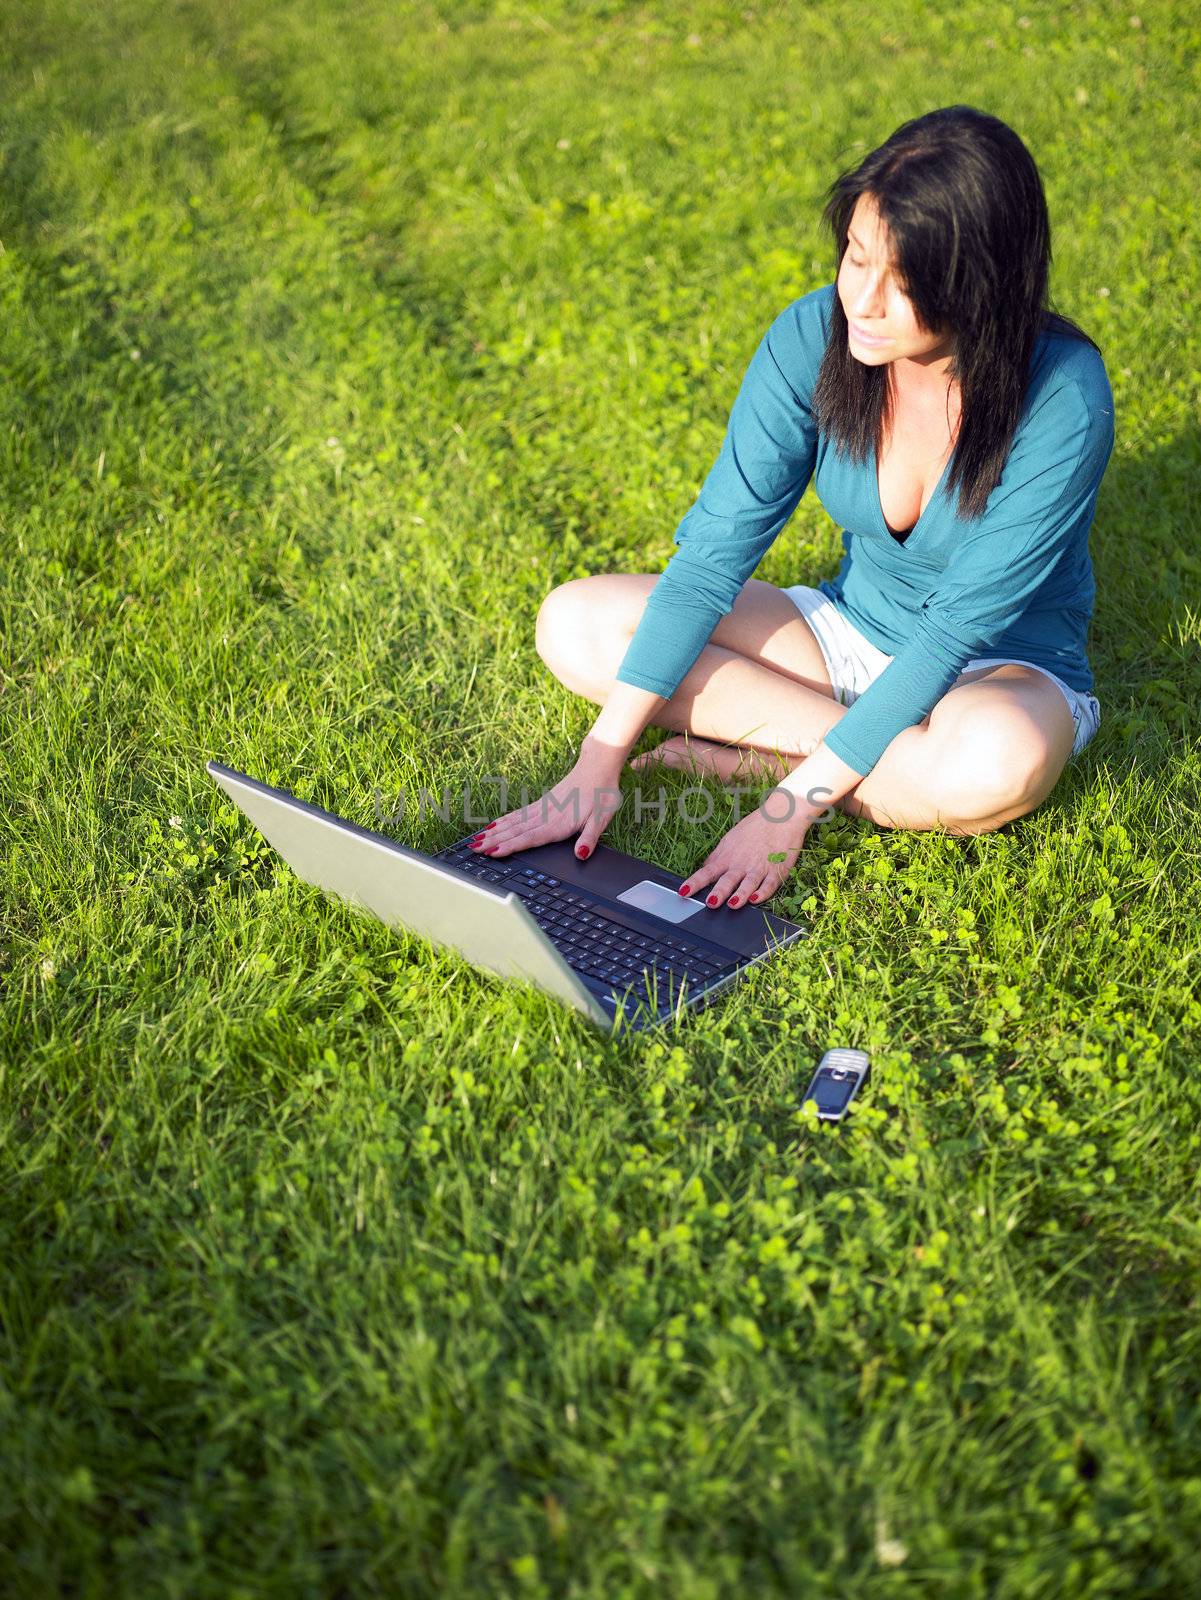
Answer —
853 662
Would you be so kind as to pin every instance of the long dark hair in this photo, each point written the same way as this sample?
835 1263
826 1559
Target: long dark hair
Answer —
967 218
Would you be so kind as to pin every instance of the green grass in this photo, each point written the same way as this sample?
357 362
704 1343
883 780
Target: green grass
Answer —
334 338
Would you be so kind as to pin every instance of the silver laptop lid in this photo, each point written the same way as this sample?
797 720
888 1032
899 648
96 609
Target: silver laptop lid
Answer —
405 889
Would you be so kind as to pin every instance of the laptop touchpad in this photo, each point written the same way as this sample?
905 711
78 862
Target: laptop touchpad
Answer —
666 903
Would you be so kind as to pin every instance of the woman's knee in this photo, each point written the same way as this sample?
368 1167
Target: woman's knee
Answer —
558 618
988 773
585 621
971 782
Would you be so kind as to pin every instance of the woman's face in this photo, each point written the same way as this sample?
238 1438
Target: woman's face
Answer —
882 323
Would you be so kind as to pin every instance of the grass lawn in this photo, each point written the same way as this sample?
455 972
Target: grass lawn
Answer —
334 337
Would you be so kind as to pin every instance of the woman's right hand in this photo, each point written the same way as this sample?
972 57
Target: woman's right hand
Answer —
582 802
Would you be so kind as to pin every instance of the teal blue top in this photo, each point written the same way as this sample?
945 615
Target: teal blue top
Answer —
1016 582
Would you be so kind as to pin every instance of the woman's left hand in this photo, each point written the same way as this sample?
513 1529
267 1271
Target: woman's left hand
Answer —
740 867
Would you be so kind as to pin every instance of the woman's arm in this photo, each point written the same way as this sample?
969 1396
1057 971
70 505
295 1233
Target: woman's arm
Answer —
765 463
622 718
816 783
1041 509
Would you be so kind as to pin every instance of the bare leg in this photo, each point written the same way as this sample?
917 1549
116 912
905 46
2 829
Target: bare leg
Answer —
941 772
791 722
731 763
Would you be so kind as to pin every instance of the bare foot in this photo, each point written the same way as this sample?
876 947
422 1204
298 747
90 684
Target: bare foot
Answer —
708 758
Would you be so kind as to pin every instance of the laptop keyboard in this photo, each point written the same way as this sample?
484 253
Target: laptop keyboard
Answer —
597 945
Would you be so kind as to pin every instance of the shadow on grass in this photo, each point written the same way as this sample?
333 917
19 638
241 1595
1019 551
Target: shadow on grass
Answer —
1147 680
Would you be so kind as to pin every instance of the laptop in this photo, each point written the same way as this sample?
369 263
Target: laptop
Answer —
609 936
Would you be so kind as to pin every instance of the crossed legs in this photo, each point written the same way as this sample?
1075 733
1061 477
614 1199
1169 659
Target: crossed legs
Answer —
758 699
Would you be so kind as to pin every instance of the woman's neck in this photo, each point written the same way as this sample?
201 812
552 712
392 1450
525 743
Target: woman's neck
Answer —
927 370
926 379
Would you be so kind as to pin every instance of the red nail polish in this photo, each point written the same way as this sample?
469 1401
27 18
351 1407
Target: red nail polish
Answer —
733 899
753 897
488 825
493 850
712 900
583 852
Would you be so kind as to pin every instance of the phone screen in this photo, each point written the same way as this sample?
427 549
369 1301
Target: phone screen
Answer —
832 1093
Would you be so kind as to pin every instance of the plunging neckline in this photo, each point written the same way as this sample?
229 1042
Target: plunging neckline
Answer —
910 533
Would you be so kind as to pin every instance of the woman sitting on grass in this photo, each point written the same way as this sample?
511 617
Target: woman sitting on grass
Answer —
957 430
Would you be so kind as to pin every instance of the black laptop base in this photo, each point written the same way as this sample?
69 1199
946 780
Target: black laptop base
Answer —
641 967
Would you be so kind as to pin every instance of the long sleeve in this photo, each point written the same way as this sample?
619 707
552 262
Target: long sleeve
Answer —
1042 506
765 463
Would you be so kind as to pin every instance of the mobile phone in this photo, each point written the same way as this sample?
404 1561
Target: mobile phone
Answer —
836 1081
